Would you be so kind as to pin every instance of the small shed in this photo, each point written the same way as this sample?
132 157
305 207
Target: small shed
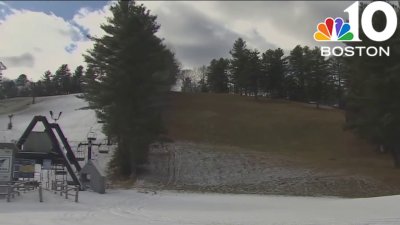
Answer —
91 175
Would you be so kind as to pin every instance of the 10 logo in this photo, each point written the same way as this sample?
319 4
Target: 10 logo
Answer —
337 30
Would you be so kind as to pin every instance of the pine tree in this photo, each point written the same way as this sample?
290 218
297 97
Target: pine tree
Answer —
373 106
38 89
62 80
132 70
48 83
318 78
238 63
273 72
217 75
252 72
22 80
297 74
10 89
22 85
76 82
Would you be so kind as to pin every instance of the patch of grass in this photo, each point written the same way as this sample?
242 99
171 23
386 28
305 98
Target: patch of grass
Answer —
294 130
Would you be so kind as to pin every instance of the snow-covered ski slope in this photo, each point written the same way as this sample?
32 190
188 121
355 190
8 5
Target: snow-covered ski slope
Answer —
76 120
131 207
135 207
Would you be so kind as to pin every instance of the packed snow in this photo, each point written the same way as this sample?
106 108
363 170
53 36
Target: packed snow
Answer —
76 120
132 207
141 207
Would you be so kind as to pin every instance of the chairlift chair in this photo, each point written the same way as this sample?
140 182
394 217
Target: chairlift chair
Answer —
91 136
104 149
80 153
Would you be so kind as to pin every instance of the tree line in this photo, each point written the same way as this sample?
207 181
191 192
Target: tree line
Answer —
62 81
367 88
303 75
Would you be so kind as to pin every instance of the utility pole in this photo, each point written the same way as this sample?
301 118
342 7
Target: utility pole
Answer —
10 122
91 137
2 67
90 144
33 92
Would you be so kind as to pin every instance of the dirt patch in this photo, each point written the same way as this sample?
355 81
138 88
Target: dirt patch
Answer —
197 167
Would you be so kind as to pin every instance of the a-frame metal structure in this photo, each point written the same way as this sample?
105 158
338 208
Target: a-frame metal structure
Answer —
57 154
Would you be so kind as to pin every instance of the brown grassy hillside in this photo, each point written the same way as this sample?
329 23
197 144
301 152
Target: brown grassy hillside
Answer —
298 131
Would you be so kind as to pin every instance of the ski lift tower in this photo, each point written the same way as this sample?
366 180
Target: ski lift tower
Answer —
2 67
54 117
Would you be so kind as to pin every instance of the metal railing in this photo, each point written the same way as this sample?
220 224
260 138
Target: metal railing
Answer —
70 191
10 193
15 188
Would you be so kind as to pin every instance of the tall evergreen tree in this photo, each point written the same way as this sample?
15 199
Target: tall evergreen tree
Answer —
252 72
10 89
217 75
22 80
22 83
297 74
239 60
273 67
62 79
318 78
132 71
373 106
48 84
76 82
38 89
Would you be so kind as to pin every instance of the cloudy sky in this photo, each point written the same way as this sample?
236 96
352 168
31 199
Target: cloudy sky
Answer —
40 36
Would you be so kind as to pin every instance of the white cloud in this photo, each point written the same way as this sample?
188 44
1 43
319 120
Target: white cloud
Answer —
40 35
263 24
91 20
45 38
32 42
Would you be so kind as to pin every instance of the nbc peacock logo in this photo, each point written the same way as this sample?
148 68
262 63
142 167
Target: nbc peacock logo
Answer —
333 30
337 30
